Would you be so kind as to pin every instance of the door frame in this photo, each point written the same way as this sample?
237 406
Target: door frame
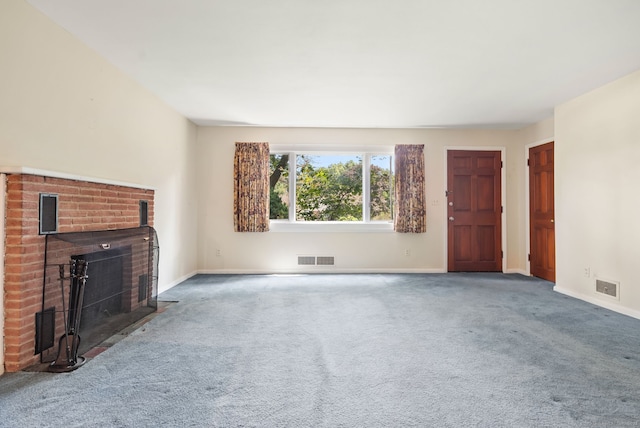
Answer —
527 201
503 199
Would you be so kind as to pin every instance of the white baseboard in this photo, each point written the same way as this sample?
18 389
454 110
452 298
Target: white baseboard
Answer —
172 284
326 269
602 303
318 269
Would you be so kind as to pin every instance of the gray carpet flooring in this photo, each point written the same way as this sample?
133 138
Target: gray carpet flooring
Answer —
451 350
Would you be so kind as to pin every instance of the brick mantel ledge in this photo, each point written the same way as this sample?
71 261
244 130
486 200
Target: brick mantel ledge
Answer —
57 174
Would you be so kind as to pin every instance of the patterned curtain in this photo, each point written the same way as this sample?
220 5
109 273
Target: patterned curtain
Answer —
410 207
251 187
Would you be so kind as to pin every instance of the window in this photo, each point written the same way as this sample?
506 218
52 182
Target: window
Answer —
331 188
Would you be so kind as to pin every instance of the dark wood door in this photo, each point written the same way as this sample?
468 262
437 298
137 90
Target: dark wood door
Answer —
541 212
474 211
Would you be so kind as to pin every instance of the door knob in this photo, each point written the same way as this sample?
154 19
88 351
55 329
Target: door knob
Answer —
451 219
551 220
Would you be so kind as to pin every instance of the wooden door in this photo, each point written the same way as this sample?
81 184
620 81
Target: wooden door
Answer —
474 211
541 213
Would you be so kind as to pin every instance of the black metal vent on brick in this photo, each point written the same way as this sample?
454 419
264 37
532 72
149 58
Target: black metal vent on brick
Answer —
144 213
143 286
45 329
48 221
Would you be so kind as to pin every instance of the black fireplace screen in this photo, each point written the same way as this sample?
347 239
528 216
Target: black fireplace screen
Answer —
121 286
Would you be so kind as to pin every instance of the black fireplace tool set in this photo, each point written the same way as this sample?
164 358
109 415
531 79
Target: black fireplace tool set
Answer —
68 359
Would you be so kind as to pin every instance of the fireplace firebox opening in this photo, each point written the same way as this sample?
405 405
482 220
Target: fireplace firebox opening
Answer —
119 290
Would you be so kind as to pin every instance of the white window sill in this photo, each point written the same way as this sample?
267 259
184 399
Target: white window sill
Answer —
330 226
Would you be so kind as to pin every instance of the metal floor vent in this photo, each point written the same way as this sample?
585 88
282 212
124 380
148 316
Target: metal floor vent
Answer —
306 260
316 261
608 288
325 261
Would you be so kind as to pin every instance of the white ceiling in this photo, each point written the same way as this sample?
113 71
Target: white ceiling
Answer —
361 63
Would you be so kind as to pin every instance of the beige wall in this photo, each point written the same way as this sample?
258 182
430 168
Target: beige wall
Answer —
277 252
597 159
63 108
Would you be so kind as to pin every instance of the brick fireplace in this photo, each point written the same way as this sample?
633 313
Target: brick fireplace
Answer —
84 205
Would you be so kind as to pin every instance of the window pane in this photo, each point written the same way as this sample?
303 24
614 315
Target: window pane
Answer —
279 187
328 188
381 177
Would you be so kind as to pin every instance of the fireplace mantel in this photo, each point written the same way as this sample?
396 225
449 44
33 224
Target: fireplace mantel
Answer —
57 174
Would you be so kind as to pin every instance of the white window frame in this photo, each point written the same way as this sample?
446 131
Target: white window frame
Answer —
368 226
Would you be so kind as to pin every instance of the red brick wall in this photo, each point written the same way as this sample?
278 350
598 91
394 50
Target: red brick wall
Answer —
82 206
